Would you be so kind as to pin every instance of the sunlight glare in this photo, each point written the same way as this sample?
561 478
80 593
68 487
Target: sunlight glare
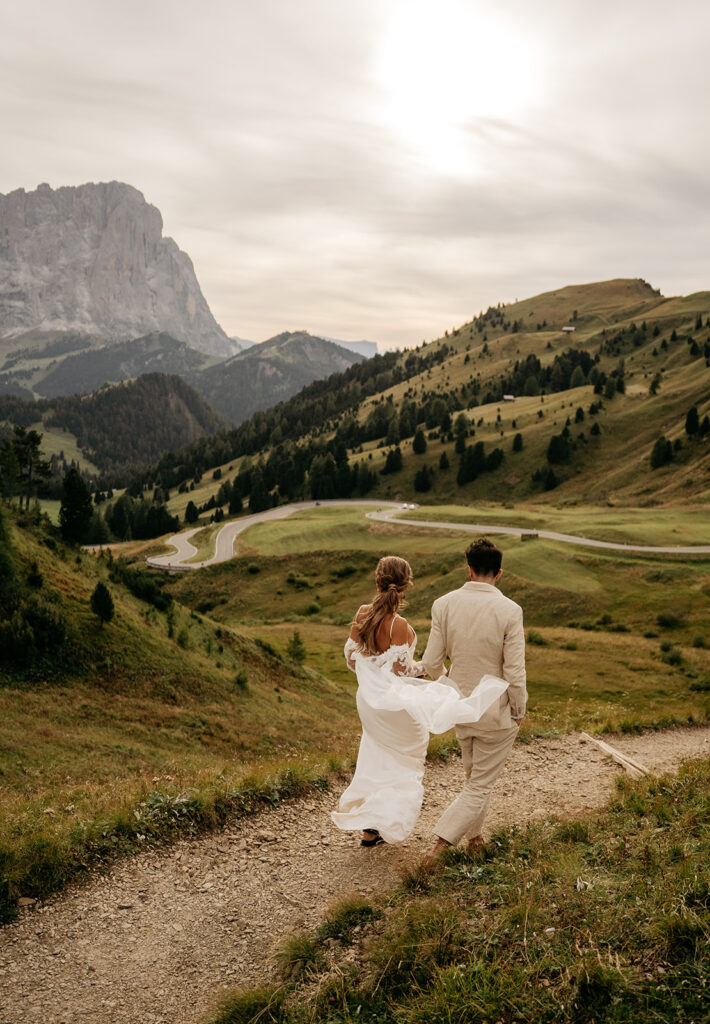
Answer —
442 66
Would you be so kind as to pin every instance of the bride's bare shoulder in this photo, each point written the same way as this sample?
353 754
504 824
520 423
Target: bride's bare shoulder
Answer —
402 632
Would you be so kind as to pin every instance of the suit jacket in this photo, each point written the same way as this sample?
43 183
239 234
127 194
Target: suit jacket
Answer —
481 630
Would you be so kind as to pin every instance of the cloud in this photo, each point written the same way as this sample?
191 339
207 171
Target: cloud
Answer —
266 136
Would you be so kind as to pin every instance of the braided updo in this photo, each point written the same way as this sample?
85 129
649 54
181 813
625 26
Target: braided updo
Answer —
393 576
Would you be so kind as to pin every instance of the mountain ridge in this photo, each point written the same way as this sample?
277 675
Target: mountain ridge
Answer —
91 260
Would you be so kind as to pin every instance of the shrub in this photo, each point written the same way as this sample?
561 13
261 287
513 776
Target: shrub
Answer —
662 452
699 640
344 570
296 649
297 580
34 577
102 603
313 608
253 568
183 638
536 638
668 620
143 585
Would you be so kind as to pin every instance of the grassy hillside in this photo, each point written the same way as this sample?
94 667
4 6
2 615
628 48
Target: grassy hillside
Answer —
603 394
161 722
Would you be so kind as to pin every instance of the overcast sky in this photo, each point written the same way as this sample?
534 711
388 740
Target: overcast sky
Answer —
377 169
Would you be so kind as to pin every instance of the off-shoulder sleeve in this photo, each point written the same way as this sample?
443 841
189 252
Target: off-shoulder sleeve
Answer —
403 664
351 646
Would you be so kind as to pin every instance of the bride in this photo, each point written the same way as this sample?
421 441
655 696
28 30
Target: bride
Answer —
398 710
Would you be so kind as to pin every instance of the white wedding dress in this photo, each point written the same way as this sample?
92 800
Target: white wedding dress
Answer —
398 712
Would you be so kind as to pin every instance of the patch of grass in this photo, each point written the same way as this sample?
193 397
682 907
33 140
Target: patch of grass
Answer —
346 916
39 864
299 956
601 919
262 1005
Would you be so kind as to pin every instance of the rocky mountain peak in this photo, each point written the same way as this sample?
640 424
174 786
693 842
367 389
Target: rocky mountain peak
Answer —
92 260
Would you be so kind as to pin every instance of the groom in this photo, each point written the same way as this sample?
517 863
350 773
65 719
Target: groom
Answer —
481 631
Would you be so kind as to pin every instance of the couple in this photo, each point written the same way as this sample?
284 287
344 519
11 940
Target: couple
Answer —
481 631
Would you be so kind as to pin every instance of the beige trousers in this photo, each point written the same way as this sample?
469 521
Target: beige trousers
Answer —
483 754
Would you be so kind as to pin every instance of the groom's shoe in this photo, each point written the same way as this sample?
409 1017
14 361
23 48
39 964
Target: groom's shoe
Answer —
431 858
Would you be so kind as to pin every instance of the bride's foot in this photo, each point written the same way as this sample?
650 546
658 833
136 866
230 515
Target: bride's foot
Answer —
475 844
371 837
429 861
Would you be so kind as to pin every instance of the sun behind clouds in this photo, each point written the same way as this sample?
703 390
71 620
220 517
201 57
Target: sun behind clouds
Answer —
442 66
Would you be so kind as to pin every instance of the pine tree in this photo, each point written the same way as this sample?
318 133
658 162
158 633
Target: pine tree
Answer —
32 468
419 442
662 452
76 509
296 649
422 479
692 422
102 603
191 513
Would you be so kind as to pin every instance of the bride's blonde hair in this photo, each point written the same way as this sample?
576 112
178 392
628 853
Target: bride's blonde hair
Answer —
393 576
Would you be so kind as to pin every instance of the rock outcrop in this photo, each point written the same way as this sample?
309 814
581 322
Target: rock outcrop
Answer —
92 261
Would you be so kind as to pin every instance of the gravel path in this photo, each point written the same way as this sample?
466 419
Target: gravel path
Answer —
386 511
157 939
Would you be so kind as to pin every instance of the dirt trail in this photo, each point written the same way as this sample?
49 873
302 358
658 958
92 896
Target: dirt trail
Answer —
158 938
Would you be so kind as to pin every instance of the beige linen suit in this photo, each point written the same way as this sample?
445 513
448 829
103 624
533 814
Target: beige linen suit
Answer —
481 631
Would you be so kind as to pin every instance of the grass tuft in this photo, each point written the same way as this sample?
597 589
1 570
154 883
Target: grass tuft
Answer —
262 1005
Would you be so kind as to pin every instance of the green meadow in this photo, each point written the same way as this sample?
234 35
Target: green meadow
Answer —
167 721
616 640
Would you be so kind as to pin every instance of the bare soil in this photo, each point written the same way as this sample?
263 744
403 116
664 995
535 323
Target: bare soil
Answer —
158 938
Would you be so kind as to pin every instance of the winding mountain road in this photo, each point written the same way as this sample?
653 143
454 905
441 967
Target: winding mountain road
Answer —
385 512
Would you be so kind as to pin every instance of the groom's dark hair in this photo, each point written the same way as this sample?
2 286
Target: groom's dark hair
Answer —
484 557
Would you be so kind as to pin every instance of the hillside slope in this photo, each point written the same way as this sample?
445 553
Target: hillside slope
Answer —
266 374
88 371
103 727
124 427
561 398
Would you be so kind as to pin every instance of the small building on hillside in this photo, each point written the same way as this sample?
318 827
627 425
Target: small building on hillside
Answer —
569 329
508 398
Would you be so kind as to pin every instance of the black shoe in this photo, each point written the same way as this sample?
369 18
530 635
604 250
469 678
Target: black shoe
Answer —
372 842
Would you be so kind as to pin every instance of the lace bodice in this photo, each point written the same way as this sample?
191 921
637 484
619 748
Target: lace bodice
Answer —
398 658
